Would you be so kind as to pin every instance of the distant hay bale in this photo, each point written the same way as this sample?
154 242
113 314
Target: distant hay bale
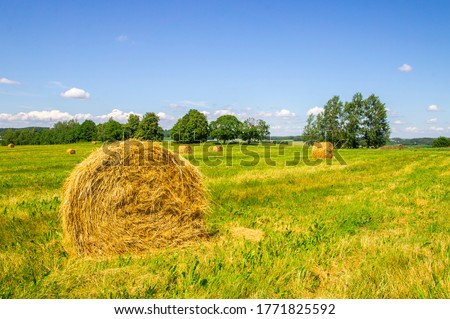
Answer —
11 145
94 142
185 149
132 197
71 151
322 150
217 149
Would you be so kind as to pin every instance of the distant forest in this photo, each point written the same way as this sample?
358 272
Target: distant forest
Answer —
35 136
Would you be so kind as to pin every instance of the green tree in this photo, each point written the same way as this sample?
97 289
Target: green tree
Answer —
192 127
254 130
149 128
375 126
352 116
88 131
226 128
310 134
66 132
441 141
110 131
332 121
132 125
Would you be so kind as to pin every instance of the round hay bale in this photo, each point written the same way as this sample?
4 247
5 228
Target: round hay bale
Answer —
71 151
132 197
392 147
217 149
185 149
94 142
322 150
11 145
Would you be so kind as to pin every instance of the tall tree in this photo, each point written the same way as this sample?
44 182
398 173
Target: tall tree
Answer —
110 131
310 135
132 126
375 127
88 131
226 128
149 128
192 127
353 124
254 130
332 121
353 112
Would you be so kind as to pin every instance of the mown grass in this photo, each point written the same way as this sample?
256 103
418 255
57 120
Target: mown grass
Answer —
377 227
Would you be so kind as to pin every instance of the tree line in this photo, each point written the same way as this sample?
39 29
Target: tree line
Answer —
192 127
358 123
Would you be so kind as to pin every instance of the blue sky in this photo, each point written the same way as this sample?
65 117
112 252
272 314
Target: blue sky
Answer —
274 60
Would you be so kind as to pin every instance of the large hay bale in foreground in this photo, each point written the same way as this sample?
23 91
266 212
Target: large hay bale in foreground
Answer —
322 150
185 149
71 151
132 197
11 145
217 149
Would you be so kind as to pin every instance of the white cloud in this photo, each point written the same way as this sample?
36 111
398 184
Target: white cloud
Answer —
411 129
433 108
36 116
264 114
315 110
223 112
194 103
57 84
206 113
391 112
75 93
281 113
284 113
433 120
8 81
397 122
47 118
176 106
122 38
83 117
405 68
437 129
117 115
164 116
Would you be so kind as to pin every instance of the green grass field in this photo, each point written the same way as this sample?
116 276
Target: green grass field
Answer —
378 227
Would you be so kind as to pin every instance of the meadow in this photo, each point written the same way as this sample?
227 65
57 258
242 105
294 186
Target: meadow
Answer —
375 227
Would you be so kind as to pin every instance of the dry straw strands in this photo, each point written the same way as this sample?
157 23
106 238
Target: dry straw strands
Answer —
132 197
185 149
71 151
11 145
217 149
322 150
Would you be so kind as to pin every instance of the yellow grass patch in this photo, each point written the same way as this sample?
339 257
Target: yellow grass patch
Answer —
247 233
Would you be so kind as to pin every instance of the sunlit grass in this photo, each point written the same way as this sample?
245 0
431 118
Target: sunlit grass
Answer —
378 227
